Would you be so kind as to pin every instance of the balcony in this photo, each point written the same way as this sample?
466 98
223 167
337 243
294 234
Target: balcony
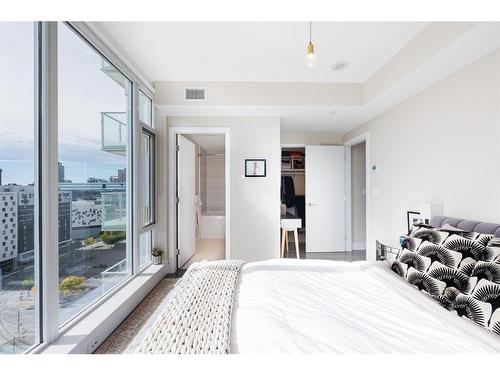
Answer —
114 132
114 211
113 275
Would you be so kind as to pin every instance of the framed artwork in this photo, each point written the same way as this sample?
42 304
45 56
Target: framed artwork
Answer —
255 167
412 217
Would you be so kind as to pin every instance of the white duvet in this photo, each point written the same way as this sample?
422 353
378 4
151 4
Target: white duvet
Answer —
311 306
314 306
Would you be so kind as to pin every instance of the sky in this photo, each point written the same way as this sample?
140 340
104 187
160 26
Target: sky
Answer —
84 92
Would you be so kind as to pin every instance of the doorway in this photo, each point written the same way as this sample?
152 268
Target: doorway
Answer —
358 199
293 199
313 189
199 186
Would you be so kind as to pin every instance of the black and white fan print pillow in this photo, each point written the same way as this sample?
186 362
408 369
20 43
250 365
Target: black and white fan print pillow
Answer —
482 304
458 269
425 263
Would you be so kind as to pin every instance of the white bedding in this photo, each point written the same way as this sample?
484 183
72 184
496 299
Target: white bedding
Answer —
314 306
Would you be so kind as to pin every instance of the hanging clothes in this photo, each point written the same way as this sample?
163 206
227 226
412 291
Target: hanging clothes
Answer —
287 191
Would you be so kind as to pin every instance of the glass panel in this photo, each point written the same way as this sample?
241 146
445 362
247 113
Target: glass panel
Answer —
17 177
114 129
94 118
146 171
145 247
145 109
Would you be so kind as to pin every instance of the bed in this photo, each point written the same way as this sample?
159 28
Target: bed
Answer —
314 306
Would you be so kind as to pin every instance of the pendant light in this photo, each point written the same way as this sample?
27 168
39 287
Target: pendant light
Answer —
310 59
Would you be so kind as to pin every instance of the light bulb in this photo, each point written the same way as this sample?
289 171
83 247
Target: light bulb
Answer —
310 59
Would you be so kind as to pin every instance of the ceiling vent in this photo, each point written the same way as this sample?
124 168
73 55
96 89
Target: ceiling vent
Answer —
195 93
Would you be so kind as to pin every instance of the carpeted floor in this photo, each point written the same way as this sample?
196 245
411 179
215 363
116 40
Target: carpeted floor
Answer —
125 333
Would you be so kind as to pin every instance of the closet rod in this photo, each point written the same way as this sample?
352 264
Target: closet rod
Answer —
211 154
291 172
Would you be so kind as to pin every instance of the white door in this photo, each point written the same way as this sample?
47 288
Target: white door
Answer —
325 199
186 207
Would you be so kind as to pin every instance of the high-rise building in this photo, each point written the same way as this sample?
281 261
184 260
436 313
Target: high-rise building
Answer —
60 171
64 218
24 221
122 175
1 176
8 226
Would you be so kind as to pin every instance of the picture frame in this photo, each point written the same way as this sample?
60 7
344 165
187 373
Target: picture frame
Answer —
255 168
411 218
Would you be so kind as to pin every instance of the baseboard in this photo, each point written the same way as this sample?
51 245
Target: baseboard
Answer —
359 245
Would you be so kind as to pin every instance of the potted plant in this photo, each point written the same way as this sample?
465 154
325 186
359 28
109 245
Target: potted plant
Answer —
156 254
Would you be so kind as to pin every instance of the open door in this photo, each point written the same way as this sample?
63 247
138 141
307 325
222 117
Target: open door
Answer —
186 202
325 199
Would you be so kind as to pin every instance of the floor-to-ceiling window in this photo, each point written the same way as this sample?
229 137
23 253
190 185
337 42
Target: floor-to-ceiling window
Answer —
147 182
94 126
47 280
18 286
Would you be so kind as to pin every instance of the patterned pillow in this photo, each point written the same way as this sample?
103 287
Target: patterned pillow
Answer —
482 304
460 270
424 262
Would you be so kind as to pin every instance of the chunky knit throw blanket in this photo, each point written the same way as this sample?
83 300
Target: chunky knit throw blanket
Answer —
197 319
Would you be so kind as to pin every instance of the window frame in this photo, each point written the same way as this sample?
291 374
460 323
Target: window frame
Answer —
130 253
152 178
40 89
151 131
46 172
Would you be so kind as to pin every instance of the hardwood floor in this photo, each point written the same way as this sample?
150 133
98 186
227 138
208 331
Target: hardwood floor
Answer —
347 256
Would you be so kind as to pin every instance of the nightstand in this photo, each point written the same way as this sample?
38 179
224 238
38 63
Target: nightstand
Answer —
386 251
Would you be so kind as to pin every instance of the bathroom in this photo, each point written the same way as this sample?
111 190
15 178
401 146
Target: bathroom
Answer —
209 197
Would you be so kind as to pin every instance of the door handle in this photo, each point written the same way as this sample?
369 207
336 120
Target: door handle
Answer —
312 204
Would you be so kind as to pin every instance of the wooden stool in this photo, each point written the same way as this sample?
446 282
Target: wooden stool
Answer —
284 240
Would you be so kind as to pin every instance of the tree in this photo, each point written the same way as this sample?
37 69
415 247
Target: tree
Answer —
72 283
89 241
110 238
28 282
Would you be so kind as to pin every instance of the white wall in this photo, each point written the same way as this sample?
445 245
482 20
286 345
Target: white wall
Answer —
215 184
255 202
262 93
312 138
443 146
358 197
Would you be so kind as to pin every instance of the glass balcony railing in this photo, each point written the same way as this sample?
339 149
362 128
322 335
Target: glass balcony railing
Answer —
114 132
114 211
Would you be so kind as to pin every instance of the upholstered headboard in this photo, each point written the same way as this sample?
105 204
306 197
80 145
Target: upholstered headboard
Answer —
467 225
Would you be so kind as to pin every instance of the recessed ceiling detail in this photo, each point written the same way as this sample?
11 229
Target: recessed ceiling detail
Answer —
375 66
259 51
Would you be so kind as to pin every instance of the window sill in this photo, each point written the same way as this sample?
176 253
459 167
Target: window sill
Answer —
91 331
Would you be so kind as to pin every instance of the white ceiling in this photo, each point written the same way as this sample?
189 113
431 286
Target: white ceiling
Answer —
259 51
211 143
413 56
